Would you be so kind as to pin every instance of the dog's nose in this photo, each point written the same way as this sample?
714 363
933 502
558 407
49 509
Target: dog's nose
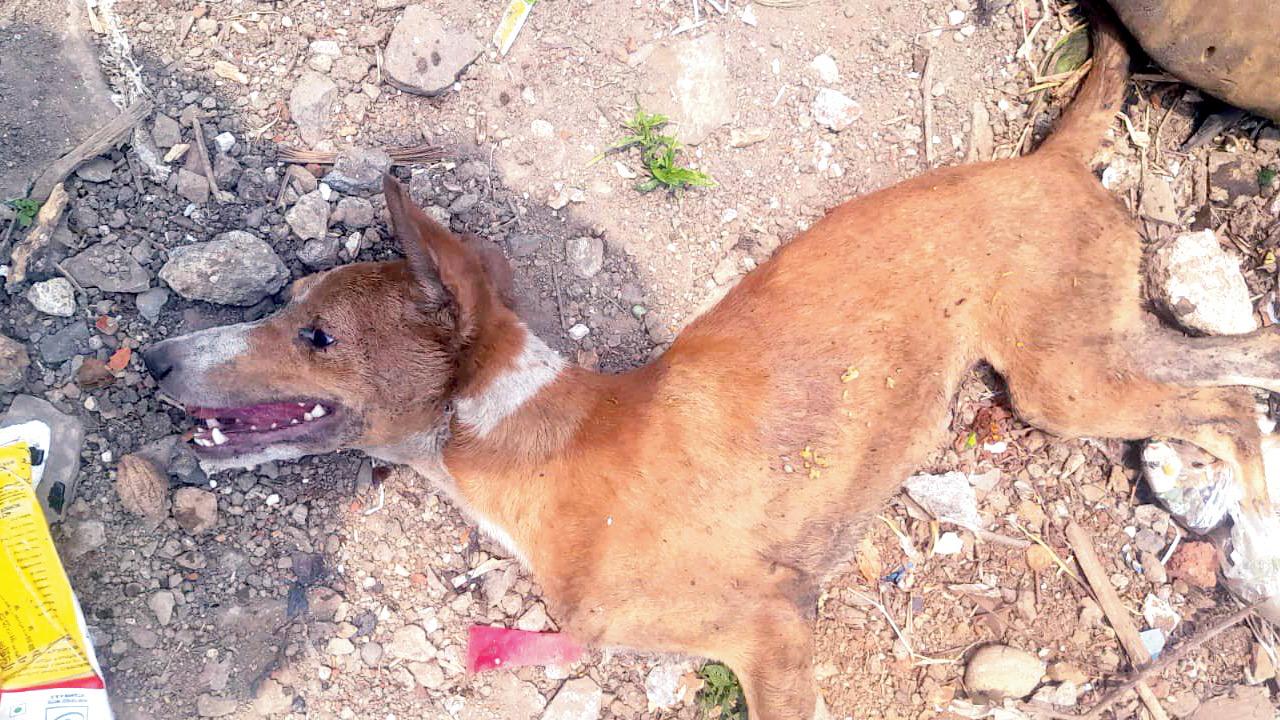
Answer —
157 362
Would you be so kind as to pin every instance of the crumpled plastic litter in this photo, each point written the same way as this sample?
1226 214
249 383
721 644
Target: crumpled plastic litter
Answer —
1203 494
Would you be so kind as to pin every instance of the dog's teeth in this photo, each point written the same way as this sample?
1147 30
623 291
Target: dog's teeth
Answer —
302 404
307 416
218 437
213 423
275 425
203 442
293 421
318 412
253 427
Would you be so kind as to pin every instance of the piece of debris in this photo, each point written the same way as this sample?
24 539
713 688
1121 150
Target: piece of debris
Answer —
688 81
235 268
667 685
825 66
1196 563
509 26
311 106
53 297
494 647
948 497
195 510
1000 671
37 238
309 217
143 489
746 138
1201 286
835 110
578 699
423 57
359 171
585 255
57 489
1157 201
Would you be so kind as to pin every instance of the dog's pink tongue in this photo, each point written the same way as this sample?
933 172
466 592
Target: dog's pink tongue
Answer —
494 647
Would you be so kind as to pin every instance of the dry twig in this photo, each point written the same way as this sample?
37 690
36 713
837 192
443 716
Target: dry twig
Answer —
38 236
102 139
406 155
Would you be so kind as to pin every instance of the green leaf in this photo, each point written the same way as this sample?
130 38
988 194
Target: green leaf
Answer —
1071 52
26 210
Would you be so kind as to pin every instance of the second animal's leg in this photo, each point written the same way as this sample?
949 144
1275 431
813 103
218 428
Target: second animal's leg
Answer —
1252 359
774 662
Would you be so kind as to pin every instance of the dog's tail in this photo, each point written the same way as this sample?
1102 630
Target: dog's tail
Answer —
1084 122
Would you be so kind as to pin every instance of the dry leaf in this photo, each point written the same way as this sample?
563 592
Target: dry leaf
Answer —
869 563
227 71
142 488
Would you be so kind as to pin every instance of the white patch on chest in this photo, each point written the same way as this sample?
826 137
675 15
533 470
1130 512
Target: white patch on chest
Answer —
533 369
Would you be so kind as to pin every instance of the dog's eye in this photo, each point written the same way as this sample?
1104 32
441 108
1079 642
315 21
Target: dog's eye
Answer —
316 337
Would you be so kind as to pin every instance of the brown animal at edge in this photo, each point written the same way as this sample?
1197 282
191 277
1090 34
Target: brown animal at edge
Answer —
656 506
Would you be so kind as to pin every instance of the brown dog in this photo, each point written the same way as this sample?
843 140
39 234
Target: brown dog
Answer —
659 508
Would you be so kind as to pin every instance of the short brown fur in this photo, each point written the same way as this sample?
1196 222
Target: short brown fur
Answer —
656 507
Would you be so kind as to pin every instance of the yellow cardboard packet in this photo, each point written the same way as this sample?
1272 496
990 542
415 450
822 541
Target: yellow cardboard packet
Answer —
47 665
510 24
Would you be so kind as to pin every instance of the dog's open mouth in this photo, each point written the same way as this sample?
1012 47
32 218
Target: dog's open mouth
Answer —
227 430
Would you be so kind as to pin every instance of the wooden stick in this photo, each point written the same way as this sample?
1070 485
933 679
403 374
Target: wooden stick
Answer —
102 139
926 98
38 237
1087 556
198 130
405 155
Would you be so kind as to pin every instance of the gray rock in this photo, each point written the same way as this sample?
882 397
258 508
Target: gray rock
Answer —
429 675
1000 671
835 110
65 344
534 620
272 698
235 268
161 603
354 212
224 142
14 362
83 537
320 254
688 81
585 255
410 643
97 170
424 58
62 464
577 699
1201 286
1157 201
664 686
109 268
226 171
211 706
309 217
151 302
311 105
53 297
193 187
523 244
371 654
166 131
351 68
195 510
359 171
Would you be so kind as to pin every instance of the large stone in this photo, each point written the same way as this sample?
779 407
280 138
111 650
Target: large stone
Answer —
577 699
53 297
410 643
309 217
14 362
235 268
211 706
354 212
1000 671
688 81
585 255
359 171
1232 54
64 344
1242 703
109 268
425 58
271 698
97 170
835 110
195 510
151 302
193 186
165 131
62 462
1201 286
311 106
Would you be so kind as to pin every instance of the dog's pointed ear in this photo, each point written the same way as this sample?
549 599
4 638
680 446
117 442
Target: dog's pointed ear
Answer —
438 257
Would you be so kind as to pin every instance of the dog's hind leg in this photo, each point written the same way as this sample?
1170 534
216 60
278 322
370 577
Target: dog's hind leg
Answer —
1071 393
1252 359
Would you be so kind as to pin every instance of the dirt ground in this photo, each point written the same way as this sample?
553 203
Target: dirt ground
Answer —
299 601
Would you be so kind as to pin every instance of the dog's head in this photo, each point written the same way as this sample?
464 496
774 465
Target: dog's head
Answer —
365 356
